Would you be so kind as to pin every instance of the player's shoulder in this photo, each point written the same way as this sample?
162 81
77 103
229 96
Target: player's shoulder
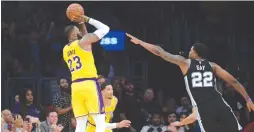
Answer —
115 99
215 66
65 47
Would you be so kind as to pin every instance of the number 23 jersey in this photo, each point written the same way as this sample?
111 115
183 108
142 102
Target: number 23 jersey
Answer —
80 62
200 82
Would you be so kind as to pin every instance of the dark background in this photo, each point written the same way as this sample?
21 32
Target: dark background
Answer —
225 27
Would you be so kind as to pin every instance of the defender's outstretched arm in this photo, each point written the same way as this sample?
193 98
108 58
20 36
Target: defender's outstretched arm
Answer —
157 50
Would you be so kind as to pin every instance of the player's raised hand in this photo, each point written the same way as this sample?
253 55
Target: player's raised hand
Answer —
123 123
250 106
79 19
133 39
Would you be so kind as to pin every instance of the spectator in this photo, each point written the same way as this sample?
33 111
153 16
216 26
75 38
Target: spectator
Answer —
130 108
185 108
62 105
27 127
27 106
170 105
18 123
51 123
148 105
7 120
118 91
171 118
155 126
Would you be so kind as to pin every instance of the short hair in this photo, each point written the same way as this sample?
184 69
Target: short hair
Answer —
101 76
105 84
50 111
171 112
201 49
68 29
60 78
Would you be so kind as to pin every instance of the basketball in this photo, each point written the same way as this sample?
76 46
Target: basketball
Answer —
74 10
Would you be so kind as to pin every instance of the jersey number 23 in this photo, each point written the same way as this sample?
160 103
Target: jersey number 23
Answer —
75 60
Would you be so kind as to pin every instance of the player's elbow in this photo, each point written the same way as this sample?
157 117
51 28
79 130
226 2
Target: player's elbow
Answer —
193 117
107 29
100 33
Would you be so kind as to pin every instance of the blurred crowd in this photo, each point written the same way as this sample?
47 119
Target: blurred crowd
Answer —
32 43
144 108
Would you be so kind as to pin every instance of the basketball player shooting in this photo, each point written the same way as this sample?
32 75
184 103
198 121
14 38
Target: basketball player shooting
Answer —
215 115
86 94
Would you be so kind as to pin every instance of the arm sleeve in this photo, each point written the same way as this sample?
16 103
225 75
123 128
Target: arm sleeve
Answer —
111 125
102 29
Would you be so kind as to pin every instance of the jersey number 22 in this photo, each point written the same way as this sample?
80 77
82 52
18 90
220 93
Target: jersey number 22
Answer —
202 79
76 60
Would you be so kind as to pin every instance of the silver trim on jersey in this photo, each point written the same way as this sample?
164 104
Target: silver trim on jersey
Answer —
194 104
215 87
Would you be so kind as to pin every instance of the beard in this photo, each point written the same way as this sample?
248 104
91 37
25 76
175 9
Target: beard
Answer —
67 90
156 123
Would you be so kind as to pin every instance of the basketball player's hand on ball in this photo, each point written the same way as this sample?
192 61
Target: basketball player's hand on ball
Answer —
134 39
250 106
79 19
123 123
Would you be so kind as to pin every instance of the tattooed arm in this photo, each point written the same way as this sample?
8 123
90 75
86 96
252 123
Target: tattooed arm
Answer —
157 50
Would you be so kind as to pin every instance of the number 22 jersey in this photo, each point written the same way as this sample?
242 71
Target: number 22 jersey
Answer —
80 62
200 82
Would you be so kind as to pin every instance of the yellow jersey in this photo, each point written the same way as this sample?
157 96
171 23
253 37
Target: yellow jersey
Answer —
108 114
80 62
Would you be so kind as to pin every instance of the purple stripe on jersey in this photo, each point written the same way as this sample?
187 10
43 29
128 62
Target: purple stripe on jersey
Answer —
83 79
101 103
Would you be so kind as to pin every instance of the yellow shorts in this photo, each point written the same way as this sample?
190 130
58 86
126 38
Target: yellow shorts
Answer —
86 98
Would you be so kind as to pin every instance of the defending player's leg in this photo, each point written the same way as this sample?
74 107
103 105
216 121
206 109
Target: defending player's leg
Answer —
229 123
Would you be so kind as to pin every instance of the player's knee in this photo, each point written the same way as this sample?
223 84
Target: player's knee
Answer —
81 121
